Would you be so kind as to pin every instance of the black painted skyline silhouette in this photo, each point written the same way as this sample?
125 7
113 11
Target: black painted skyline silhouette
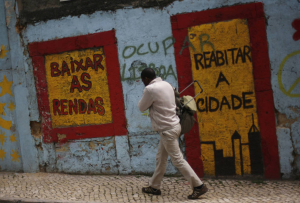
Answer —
225 166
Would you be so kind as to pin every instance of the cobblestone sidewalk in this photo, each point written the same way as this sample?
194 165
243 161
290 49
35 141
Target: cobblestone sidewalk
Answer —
49 187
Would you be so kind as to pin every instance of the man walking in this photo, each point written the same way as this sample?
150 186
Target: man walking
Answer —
159 98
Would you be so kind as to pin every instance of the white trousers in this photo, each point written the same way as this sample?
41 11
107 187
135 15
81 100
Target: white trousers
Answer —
168 146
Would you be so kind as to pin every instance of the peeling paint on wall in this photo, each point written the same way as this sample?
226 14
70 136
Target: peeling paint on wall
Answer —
143 155
10 152
36 129
79 157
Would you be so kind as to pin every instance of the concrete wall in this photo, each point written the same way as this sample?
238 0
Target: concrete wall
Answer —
286 90
144 36
17 148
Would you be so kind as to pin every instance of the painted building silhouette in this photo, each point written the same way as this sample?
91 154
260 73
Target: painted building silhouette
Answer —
226 166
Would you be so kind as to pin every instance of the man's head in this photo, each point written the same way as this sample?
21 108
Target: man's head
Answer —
147 75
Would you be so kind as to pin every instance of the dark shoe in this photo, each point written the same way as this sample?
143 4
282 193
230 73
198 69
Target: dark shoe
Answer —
198 192
151 190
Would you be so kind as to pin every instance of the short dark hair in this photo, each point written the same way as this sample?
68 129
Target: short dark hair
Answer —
149 73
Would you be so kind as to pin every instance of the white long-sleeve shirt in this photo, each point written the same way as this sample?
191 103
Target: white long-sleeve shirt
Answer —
159 98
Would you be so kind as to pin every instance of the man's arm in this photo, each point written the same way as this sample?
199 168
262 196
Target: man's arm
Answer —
146 101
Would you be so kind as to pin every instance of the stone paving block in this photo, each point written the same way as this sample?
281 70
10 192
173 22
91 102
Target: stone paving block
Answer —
49 187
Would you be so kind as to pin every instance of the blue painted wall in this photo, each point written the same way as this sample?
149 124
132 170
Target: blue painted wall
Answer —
135 28
17 150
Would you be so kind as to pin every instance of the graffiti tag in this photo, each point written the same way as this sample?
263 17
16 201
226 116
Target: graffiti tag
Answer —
137 67
129 51
282 88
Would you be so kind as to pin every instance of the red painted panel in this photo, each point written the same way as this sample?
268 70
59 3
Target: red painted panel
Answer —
82 132
254 13
115 89
246 11
266 116
37 50
296 26
259 10
174 22
262 84
184 72
259 47
42 95
264 99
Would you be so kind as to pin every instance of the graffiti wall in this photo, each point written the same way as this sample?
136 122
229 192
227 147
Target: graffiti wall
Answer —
286 87
78 98
139 46
14 112
73 103
9 151
82 85
227 113
236 129
10 158
143 47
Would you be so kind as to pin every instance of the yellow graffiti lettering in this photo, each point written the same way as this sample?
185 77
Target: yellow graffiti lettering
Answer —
288 93
221 61
78 88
